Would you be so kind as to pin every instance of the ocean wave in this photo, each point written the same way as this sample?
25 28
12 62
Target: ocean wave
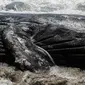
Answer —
54 6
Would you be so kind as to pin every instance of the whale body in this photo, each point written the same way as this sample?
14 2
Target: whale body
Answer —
38 41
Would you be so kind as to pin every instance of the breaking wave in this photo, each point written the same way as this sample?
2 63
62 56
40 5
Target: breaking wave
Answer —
54 6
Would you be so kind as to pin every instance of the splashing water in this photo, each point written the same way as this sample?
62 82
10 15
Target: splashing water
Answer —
75 76
54 6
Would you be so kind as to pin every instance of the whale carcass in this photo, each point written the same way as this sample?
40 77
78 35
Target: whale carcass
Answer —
38 41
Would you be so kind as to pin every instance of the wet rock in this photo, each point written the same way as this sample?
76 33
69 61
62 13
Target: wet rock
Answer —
48 81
